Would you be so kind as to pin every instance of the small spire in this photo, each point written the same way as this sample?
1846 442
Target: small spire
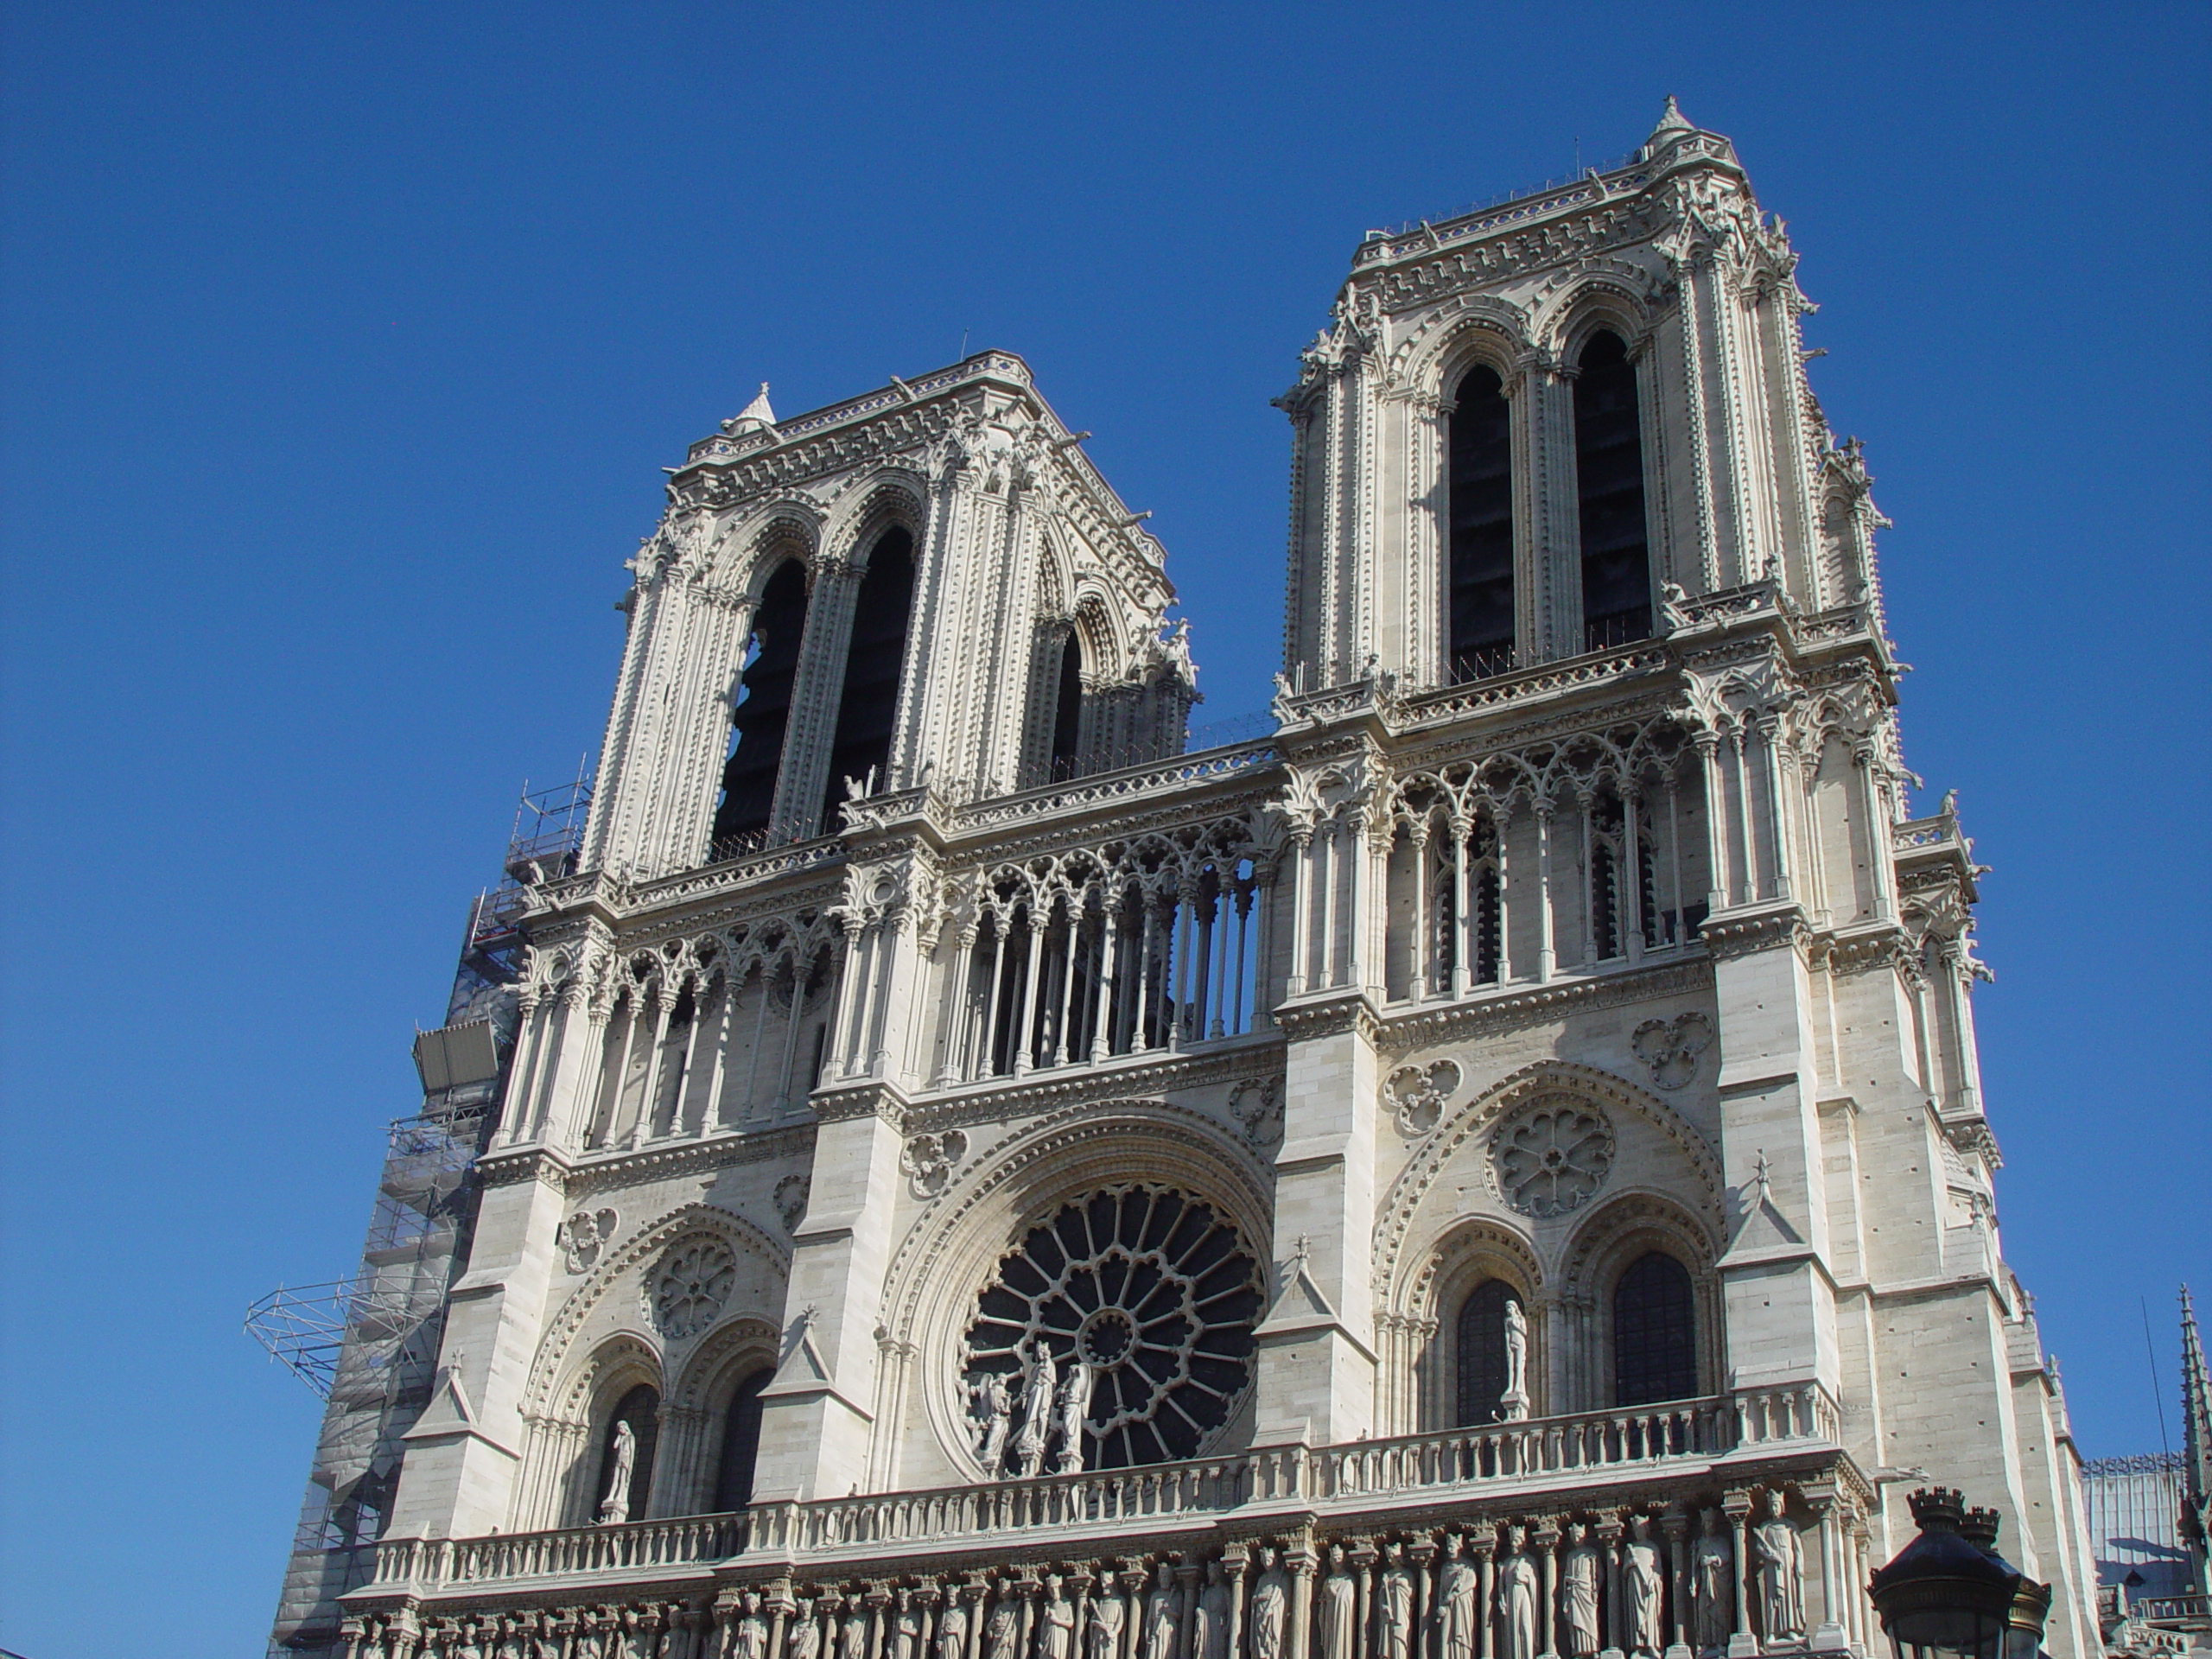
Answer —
2196 1406
1671 119
755 417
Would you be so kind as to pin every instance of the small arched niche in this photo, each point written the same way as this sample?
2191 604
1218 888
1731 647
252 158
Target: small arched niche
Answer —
625 1479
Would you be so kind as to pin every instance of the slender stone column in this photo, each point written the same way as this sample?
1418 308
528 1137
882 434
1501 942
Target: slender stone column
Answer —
1629 879
1676 1525
1544 1539
1026 1034
1742 1644
1547 957
1608 1531
1464 932
1422 1553
1828 1636
1301 1563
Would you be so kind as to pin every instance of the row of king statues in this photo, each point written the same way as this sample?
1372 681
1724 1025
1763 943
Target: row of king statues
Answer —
1623 1586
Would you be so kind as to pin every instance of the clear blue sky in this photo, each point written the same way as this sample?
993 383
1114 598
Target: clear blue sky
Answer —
344 346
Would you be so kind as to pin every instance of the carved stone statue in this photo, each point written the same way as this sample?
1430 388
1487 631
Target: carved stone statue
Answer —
952 1628
856 1640
1397 1598
1072 1406
1580 1571
1778 1557
751 1632
1673 606
1458 1617
1513 1405
1102 1637
1056 1619
1644 1587
1209 1629
993 1410
804 1639
1520 1600
1163 1615
907 1629
1036 1409
1270 1608
1003 1630
621 1464
1340 1609
1712 1597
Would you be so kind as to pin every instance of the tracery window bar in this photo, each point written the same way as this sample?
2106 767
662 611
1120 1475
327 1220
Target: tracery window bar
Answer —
1155 952
700 1047
1497 884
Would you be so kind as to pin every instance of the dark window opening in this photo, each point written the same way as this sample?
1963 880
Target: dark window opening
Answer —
1609 489
1655 1332
764 707
641 1408
868 707
1480 496
1067 711
1481 1352
741 1442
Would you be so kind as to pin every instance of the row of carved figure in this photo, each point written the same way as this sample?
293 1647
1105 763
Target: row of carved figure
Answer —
1630 1585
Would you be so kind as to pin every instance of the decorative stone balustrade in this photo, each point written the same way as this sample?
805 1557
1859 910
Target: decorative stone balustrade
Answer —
633 1547
1361 1476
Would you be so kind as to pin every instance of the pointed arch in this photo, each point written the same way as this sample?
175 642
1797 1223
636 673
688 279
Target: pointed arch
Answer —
761 705
876 659
1397 1258
1615 536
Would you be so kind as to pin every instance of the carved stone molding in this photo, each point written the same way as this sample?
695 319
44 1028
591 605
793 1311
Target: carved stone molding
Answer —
1542 1004
584 1234
1416 1095
1670 1047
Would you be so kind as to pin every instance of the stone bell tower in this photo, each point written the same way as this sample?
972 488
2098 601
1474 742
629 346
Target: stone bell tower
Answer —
1494 1162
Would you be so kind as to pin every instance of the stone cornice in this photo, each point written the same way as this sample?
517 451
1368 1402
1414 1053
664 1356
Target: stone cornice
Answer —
1732 933
661 1160
842 1102
1159 1074
1330 1013
1534 1005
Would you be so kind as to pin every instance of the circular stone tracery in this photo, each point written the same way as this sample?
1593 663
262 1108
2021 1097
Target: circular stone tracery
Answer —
1150 1288
1552 1156
694 1281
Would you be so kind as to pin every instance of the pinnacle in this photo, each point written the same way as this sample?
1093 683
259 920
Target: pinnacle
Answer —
756 415
1671 119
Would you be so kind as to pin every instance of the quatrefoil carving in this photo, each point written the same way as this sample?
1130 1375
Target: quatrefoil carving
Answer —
1416 1094
930 1160
1670 1048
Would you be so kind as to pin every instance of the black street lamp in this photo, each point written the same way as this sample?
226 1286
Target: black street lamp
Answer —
1950 1595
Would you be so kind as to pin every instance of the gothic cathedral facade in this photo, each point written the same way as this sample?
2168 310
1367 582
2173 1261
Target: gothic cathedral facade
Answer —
1489 1165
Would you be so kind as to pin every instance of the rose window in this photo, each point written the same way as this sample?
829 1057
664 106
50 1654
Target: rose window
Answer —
1153 1295
694 1281
1550 1159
